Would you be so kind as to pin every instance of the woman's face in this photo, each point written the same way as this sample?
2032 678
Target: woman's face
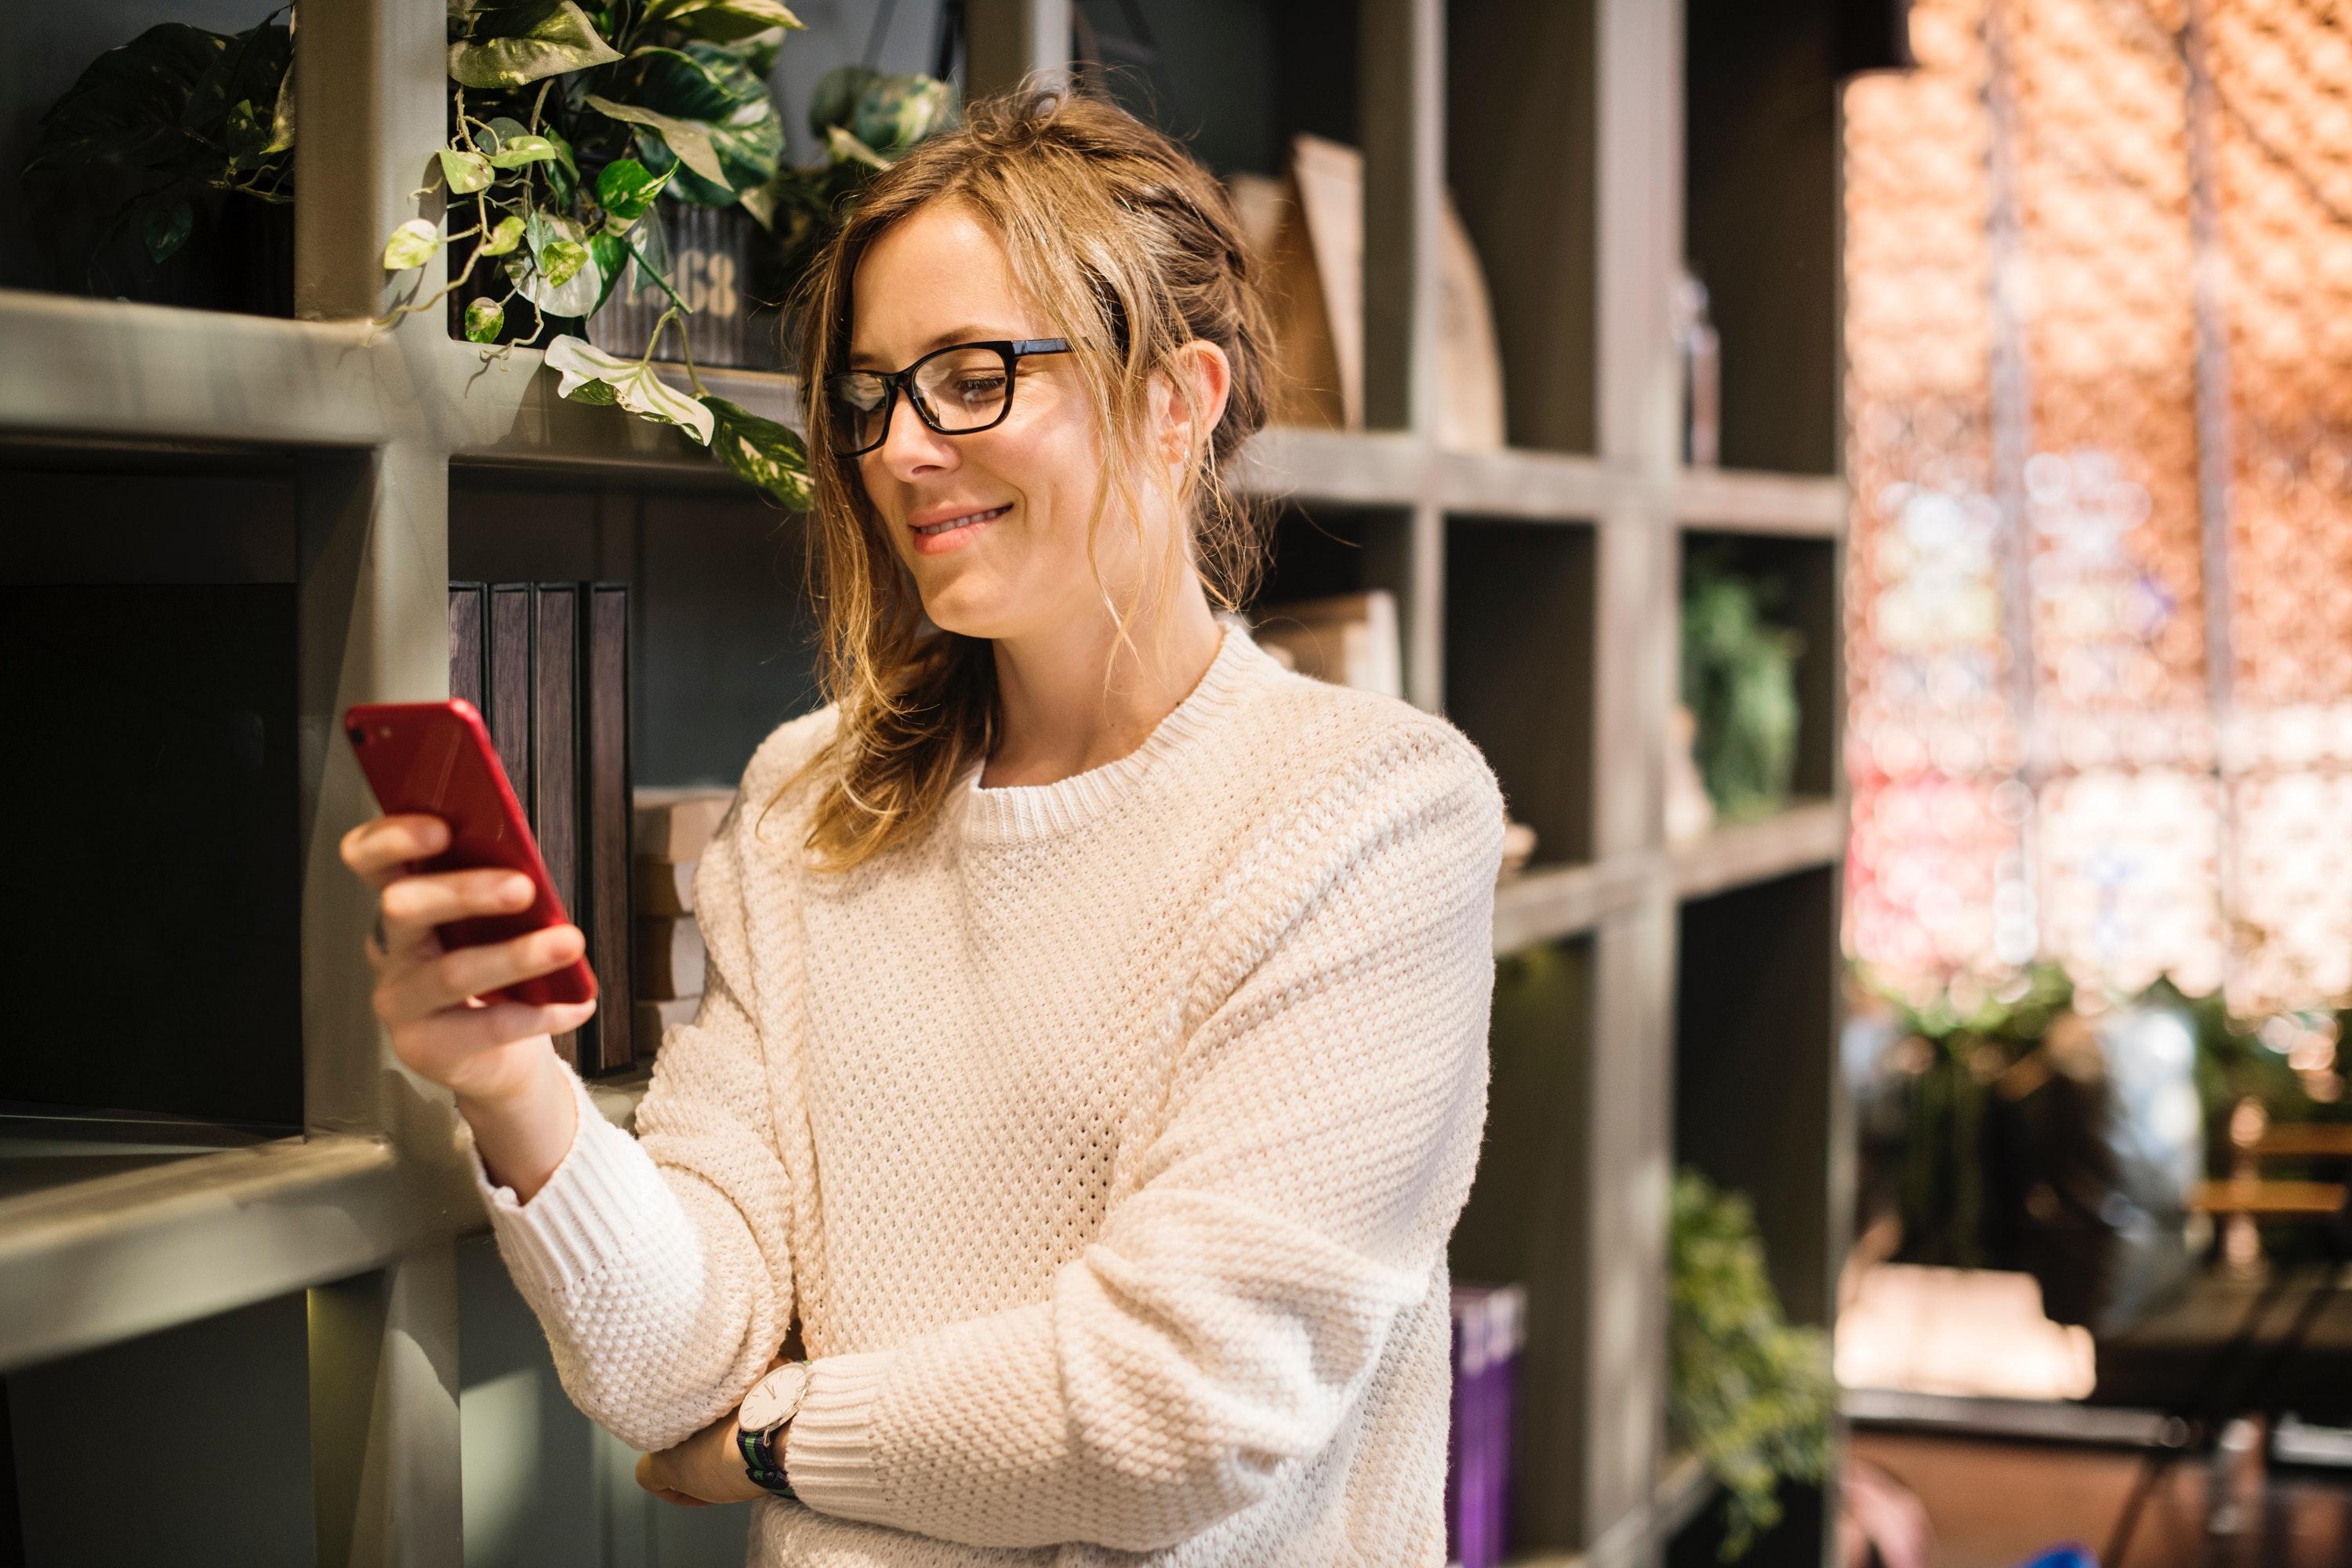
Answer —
1015 498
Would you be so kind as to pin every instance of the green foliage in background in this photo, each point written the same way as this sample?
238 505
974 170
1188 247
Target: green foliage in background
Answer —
1746 1392
1968 1035
1740 682
1963 1038
571 123
152 141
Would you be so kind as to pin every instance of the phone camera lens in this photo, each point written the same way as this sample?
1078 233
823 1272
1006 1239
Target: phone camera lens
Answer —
358 736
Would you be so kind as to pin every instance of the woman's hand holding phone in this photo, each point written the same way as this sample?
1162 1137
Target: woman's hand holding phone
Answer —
497 1058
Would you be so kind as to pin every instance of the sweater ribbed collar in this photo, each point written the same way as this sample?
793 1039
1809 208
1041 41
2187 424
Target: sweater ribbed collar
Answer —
1021 813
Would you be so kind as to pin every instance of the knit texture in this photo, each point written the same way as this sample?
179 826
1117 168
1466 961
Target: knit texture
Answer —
1104 1140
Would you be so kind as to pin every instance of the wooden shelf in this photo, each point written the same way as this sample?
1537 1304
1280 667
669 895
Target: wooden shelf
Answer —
109 369
1531 485
1807 834
1728 501
1545 903
1685 1485
116 1255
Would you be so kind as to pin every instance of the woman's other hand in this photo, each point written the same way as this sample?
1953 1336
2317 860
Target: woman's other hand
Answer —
497 1058
708 1468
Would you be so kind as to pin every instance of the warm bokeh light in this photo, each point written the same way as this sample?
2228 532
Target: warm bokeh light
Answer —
2099 397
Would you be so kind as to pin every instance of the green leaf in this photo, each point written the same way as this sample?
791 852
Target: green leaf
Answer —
650 247
165 227
281 114
612 255
625 190
493 133
559 276
466 172
483 320
411 245
503 237
724 21
560 262
520 41
845 148
838 92
899 110
760 452
702 106
632 385
690 143
514 152
243 137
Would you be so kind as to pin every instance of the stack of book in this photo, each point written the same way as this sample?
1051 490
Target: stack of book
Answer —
1487 1333
673 828
547 664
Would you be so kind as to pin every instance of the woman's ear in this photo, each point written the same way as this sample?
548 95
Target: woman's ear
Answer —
1211 374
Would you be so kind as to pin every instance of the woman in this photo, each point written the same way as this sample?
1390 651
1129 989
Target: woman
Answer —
1092 1058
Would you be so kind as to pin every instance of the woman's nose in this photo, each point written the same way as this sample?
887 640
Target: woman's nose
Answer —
909 446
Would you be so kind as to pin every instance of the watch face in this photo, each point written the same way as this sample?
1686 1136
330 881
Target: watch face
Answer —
773 1398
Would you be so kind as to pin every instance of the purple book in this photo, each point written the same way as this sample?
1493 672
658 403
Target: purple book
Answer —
1487 1333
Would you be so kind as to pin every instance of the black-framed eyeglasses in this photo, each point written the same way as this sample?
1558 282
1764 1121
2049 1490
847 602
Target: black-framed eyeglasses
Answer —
956 390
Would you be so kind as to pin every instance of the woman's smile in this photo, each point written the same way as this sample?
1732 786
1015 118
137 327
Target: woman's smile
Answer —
940 529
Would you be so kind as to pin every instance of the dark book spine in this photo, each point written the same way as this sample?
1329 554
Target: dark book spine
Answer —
555 753
468 647
606 832
508 712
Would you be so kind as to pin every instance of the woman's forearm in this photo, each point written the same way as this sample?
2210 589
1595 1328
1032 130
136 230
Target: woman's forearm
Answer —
523 1138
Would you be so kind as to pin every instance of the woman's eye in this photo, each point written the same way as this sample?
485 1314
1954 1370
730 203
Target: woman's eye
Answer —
978 388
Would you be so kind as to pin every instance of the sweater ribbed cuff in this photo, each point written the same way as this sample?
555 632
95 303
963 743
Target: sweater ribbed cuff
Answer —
606 1188
828 1449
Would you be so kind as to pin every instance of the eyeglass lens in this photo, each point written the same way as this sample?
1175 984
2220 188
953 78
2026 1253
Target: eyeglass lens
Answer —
960 389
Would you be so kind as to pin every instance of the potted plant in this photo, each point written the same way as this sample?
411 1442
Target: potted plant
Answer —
166 174
570 127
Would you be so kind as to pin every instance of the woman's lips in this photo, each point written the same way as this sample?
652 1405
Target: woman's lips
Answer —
951 533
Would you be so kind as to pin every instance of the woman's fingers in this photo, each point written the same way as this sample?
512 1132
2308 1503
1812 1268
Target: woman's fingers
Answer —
411 990
377 849
415 905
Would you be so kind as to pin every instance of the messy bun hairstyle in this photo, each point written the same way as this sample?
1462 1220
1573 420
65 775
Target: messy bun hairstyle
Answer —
1132 250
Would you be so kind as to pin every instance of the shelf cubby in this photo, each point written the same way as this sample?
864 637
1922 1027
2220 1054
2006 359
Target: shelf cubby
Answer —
720 621
148 656
1759 1109
1519 661
1762 224
1318 549
1803 574
188 1447
1232 80
1527 1218
1757 1106
1521 158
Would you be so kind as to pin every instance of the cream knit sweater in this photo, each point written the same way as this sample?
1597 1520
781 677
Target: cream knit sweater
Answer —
1106 1141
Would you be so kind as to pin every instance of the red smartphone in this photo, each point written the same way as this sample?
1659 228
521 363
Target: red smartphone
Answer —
437 758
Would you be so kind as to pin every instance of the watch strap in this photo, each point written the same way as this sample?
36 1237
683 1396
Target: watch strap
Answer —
759 1462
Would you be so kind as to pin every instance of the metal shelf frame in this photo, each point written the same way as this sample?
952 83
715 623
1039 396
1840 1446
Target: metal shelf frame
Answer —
363 1210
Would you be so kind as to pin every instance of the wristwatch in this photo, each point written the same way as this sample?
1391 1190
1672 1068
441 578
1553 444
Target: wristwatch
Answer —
773 1401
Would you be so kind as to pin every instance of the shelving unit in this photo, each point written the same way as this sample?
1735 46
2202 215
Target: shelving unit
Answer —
1646 991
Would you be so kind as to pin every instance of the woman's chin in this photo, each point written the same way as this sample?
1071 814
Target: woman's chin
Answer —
967 609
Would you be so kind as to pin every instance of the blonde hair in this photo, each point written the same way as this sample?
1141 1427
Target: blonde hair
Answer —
1131 250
